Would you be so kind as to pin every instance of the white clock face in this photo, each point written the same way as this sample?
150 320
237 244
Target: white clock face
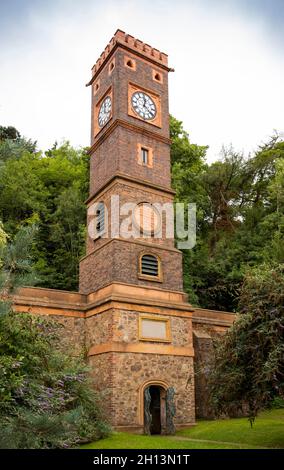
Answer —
105 111
143 105
146 218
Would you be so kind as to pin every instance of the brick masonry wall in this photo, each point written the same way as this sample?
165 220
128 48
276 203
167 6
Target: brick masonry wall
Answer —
118 261
134 194
118 154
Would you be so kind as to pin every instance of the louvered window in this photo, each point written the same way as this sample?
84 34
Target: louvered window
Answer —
100 218
150 265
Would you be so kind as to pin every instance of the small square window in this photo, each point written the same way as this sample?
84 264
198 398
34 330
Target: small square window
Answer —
144 155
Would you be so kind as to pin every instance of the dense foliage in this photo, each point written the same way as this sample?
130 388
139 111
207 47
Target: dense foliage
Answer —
249 361
240 216
237 264
46 400
49 190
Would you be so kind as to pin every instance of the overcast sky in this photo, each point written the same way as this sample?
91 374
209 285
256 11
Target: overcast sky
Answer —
228 56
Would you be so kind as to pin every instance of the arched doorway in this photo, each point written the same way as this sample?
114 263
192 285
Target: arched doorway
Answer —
159 409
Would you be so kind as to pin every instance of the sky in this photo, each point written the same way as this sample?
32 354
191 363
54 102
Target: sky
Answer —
228 56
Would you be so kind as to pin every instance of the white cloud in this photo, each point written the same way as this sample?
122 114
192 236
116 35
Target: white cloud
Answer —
227 86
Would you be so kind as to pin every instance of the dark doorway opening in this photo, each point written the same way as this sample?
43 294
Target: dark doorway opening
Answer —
155 409
159 410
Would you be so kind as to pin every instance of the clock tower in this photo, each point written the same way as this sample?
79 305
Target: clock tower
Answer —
139 329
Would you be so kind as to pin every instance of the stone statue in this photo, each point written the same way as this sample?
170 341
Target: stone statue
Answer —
170 411
147 414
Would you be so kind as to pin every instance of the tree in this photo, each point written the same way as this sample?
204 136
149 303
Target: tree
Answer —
239 217
249 361
48 190
12 145
9 132
188 164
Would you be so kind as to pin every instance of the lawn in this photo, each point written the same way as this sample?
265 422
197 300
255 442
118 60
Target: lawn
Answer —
267 432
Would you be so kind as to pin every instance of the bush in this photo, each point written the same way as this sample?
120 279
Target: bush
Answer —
46 399
249 363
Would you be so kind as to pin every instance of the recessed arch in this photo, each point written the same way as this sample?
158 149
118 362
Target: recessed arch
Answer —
157 76
111 66
155 382
130 63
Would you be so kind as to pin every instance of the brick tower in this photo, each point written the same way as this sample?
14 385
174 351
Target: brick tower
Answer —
139 329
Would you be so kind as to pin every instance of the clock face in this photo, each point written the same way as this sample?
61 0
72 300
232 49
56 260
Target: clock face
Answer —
146 218
105 111
143 105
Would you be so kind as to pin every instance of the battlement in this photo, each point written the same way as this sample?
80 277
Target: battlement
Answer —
128 41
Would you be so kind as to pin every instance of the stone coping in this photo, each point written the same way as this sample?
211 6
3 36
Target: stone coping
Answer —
115 295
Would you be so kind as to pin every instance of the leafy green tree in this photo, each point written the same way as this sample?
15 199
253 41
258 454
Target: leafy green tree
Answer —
48 190
12 145
249 362
9 132
239 216
188 164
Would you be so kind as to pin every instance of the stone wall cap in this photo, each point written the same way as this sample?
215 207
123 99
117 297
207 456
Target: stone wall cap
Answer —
201 334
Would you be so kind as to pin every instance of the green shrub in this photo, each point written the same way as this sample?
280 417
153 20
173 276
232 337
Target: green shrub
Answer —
46 399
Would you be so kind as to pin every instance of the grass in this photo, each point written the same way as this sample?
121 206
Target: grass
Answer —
267 432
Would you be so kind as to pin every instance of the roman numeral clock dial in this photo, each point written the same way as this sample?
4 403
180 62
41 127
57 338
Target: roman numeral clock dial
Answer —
143 105
105 111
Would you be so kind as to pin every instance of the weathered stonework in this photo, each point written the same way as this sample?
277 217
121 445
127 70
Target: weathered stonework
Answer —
132 371
117 261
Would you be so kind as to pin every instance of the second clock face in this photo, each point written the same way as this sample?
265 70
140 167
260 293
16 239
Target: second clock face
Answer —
143 105
105 111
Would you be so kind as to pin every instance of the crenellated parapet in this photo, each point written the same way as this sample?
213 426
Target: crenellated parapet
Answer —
129 42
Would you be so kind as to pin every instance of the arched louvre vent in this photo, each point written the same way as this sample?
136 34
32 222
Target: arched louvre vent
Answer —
100 218
150 265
